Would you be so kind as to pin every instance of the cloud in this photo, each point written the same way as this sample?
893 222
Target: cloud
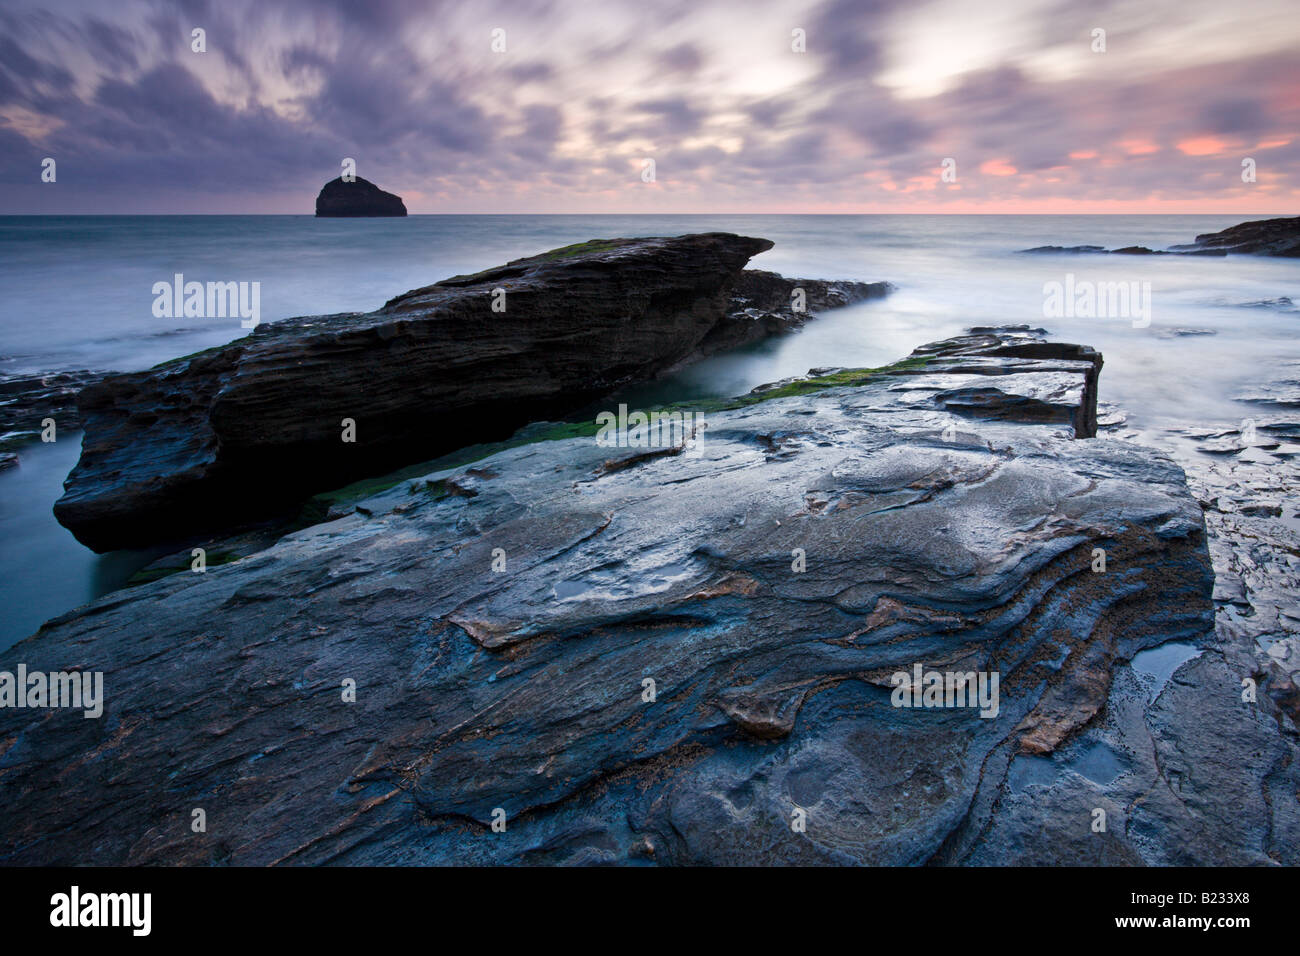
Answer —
561 120
682 58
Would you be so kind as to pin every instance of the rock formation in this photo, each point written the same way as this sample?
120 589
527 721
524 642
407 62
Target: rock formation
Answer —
28 400
237 432
1126 251
1263 237
763 305
671 654
355 199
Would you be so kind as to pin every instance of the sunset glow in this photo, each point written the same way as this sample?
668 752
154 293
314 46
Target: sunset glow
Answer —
734 114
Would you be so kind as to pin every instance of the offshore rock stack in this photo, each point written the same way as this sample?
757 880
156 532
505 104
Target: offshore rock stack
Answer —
356 198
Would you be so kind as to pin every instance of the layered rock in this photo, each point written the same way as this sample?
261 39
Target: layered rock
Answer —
1226 720
358 198
671 654
1247 479
765 304
1044 381
26 401
238 432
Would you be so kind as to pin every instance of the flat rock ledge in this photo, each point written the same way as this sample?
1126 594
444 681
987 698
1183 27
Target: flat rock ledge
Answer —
669 655
241 432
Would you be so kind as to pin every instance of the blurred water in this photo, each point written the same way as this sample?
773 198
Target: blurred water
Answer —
76 292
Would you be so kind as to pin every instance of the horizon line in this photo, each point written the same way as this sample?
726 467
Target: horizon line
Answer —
307 215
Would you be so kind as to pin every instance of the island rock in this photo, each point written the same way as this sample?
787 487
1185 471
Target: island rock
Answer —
357 198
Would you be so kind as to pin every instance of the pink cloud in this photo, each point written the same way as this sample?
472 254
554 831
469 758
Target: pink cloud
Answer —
1202 146
1138 147
998 167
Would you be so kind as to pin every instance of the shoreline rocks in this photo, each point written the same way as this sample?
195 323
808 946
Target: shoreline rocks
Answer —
762 306
1262 237
27 400
247 430
1126 251
499 622
1050 381
1246 477
356 199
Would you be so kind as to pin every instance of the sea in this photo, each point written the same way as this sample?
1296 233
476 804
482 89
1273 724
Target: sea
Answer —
78 292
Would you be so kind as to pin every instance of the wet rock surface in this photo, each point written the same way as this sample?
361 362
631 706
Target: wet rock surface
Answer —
1125 251
1044 381
1281 303
1246 478
26 401
246 430
765 304
1277 393
1071 250
958 534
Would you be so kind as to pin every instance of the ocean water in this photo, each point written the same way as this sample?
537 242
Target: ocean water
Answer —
76 292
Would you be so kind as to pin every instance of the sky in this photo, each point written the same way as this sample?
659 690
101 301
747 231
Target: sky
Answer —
837 106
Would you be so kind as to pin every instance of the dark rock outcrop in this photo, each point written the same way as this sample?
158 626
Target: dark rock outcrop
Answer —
359 198
1282 303
757 292
1058 385
649 677
28 400
1066 250
239 432
1263 237
763 304
1125 251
